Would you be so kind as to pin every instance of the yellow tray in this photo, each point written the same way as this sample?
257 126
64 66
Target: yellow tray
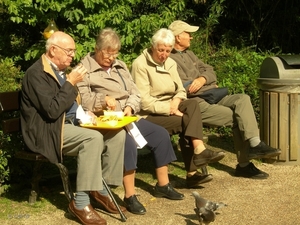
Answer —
103 125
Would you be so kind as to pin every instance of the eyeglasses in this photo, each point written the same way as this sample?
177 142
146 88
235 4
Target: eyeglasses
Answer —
108 55
68 52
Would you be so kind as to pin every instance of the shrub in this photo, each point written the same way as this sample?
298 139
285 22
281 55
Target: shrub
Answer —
10 80
237 69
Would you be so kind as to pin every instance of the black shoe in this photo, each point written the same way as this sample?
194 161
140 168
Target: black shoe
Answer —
167 191
207 156
250 171
197 179
263 151
134 206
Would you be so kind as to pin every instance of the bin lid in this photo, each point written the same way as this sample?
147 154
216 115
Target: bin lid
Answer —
281 67
280 74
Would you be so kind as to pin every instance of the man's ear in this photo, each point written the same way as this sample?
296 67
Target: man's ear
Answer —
177 39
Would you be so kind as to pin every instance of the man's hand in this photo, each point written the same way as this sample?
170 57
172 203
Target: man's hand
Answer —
77 74
197 84
93 117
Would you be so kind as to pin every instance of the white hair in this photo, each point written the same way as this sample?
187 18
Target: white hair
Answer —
163 36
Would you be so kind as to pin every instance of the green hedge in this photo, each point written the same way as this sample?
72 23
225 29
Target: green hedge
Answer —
10 80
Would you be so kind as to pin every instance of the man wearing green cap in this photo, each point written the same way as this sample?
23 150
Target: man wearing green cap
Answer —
232 110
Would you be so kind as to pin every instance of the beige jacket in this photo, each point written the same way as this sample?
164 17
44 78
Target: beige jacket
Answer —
98 83
158 86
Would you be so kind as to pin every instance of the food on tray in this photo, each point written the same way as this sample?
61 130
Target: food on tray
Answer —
111 120
105 122
118 114
107 118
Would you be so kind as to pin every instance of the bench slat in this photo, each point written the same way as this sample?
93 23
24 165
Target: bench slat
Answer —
9 101
11 125
23 154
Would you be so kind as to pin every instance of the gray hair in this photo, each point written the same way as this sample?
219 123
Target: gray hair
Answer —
163 36
53 39
108 39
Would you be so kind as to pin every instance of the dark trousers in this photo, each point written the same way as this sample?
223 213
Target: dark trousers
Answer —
158 142
187 126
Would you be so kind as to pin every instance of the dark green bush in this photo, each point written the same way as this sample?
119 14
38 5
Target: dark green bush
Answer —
10 80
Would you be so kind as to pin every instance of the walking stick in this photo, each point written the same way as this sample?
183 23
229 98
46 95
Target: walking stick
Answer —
123 217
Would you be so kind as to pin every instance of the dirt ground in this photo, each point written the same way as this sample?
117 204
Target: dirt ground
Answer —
257 202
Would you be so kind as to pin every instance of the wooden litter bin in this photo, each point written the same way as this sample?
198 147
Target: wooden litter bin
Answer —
279 85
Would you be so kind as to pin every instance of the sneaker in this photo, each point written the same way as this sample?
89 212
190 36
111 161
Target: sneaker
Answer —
197 179
134 206
167 191
250 171
263 151
207 156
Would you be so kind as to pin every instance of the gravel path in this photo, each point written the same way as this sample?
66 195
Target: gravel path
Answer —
257 202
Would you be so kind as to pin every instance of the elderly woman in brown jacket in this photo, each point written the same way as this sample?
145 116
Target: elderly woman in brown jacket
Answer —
109 85
165 103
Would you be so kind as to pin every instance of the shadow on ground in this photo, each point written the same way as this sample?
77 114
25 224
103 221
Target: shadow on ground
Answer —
51 188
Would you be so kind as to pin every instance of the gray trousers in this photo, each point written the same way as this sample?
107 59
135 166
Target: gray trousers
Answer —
98 154
235 111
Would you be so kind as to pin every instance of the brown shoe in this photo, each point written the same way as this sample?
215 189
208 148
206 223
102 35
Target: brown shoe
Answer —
207 156
87 215
105 202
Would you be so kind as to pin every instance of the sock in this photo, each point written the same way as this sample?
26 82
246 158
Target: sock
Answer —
189 174
244 164
82 199
254 141
103 191
199 149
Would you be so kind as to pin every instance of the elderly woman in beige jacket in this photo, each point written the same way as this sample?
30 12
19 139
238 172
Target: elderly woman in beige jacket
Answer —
109 85
165 103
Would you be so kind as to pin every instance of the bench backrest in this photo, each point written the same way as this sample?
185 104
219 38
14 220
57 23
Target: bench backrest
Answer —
10 102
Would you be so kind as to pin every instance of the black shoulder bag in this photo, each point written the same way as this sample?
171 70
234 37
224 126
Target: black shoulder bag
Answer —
214 95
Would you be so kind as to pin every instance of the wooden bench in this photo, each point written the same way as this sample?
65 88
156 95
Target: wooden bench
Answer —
10 103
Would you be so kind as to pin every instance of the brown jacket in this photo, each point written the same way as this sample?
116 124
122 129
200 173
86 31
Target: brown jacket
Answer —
98 83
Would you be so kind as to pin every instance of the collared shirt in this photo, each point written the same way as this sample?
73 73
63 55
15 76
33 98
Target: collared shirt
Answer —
60 72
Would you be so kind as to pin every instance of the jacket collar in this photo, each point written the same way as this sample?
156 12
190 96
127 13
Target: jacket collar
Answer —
148 55
47 66
177 51
92 66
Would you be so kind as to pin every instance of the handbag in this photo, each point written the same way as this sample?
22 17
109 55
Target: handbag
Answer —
214 95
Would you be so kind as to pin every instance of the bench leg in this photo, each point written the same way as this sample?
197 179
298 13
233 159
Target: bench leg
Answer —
64 173
36 176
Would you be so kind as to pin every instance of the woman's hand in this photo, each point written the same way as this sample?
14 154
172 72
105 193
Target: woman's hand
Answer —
110 103
127 111
178 113
92 116
174 105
